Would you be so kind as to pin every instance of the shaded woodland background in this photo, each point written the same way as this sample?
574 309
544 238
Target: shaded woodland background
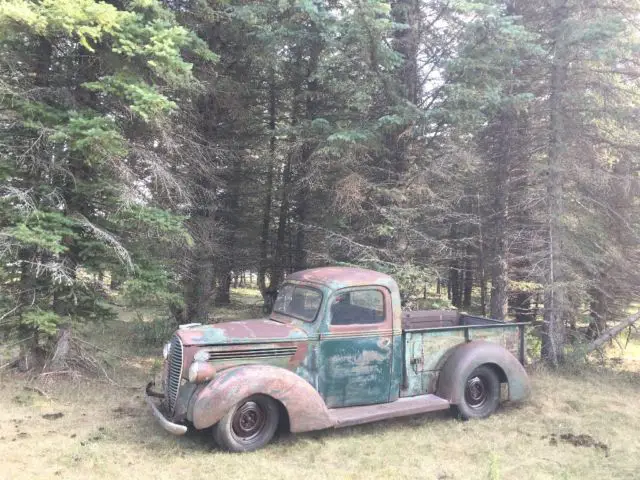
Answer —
167 149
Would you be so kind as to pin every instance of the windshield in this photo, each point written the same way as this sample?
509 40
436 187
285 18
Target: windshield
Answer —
298 301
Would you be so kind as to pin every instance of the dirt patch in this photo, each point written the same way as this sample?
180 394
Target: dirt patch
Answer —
53 416
126 411
581 440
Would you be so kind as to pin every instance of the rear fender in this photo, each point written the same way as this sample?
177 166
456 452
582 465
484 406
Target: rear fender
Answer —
467 357
306 409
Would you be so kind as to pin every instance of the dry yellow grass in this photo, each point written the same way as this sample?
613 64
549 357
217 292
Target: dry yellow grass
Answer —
106 432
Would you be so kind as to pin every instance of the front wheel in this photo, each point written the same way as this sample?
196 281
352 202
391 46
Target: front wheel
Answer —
481 393
249 425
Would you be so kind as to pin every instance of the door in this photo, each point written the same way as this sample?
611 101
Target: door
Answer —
356 345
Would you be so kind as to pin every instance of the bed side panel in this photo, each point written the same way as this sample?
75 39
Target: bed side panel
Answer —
426 352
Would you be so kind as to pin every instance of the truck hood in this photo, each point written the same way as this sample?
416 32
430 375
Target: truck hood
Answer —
241 331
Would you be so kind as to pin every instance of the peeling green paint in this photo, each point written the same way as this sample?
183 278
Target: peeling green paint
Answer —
397 374
354 371
343 365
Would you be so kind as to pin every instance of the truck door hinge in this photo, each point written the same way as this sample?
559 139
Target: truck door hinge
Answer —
415 362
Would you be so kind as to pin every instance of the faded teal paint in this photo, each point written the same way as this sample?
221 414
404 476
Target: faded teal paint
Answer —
354 370
397 357
506 336
436 345
358 365
426 352
354 362
308 367
412 367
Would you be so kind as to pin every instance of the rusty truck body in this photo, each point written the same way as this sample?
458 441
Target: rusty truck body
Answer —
336 351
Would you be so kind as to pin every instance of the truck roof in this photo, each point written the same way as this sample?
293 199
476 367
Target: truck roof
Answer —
342 277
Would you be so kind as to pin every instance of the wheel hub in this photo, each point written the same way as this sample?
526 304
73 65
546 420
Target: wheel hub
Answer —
248 421
475 392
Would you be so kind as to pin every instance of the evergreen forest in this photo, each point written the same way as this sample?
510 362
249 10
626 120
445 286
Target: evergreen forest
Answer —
164 152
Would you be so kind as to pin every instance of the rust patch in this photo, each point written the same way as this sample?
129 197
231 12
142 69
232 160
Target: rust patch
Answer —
341 277
306 409
241 331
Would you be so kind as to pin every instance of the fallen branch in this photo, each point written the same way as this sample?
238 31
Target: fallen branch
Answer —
61 372
609 334
12 363
9 312
38 391
76 339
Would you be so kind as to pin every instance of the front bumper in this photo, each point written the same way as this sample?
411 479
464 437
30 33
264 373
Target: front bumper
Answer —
174 428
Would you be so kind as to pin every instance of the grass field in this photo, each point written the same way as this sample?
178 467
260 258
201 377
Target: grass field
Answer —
583 425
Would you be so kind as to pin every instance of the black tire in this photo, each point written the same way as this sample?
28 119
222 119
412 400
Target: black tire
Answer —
249 425
481 393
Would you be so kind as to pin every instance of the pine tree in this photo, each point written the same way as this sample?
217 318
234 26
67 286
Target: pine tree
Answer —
82 83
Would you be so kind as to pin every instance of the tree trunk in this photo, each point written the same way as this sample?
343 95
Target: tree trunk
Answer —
455 278
29 355
555 296
482 262
223 289
228 216
277 270
307 149
282 252
501 162
499 302
521 305
407 43
468 283
58 361
199 290
268 197
598 311
483 295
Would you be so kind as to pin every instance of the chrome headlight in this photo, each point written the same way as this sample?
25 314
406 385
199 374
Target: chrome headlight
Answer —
166 350
200 372
193 372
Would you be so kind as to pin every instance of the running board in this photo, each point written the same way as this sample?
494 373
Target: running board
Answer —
347 416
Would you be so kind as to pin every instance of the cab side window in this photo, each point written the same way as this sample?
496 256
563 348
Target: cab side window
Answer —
358 307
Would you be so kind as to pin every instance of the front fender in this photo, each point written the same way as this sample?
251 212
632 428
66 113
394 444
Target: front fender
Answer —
306 409
467 357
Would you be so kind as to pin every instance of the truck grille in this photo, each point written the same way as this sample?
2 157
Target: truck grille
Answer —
174 372
268 352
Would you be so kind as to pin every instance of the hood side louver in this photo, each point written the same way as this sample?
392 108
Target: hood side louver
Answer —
251 353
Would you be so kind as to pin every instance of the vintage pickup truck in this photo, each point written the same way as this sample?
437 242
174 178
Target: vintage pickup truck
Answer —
336 351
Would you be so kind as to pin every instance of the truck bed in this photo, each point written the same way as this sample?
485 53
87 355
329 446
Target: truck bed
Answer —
429 335
429 319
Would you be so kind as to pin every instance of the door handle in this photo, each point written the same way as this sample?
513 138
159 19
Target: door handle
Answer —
384 343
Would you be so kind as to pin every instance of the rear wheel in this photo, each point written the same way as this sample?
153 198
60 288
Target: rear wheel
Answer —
481 393
249 425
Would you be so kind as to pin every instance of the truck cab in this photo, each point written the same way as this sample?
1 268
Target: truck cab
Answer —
337 350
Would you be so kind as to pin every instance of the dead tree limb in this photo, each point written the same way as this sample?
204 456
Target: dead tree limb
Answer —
610 333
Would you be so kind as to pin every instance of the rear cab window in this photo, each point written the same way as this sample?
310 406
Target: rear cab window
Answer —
358 307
